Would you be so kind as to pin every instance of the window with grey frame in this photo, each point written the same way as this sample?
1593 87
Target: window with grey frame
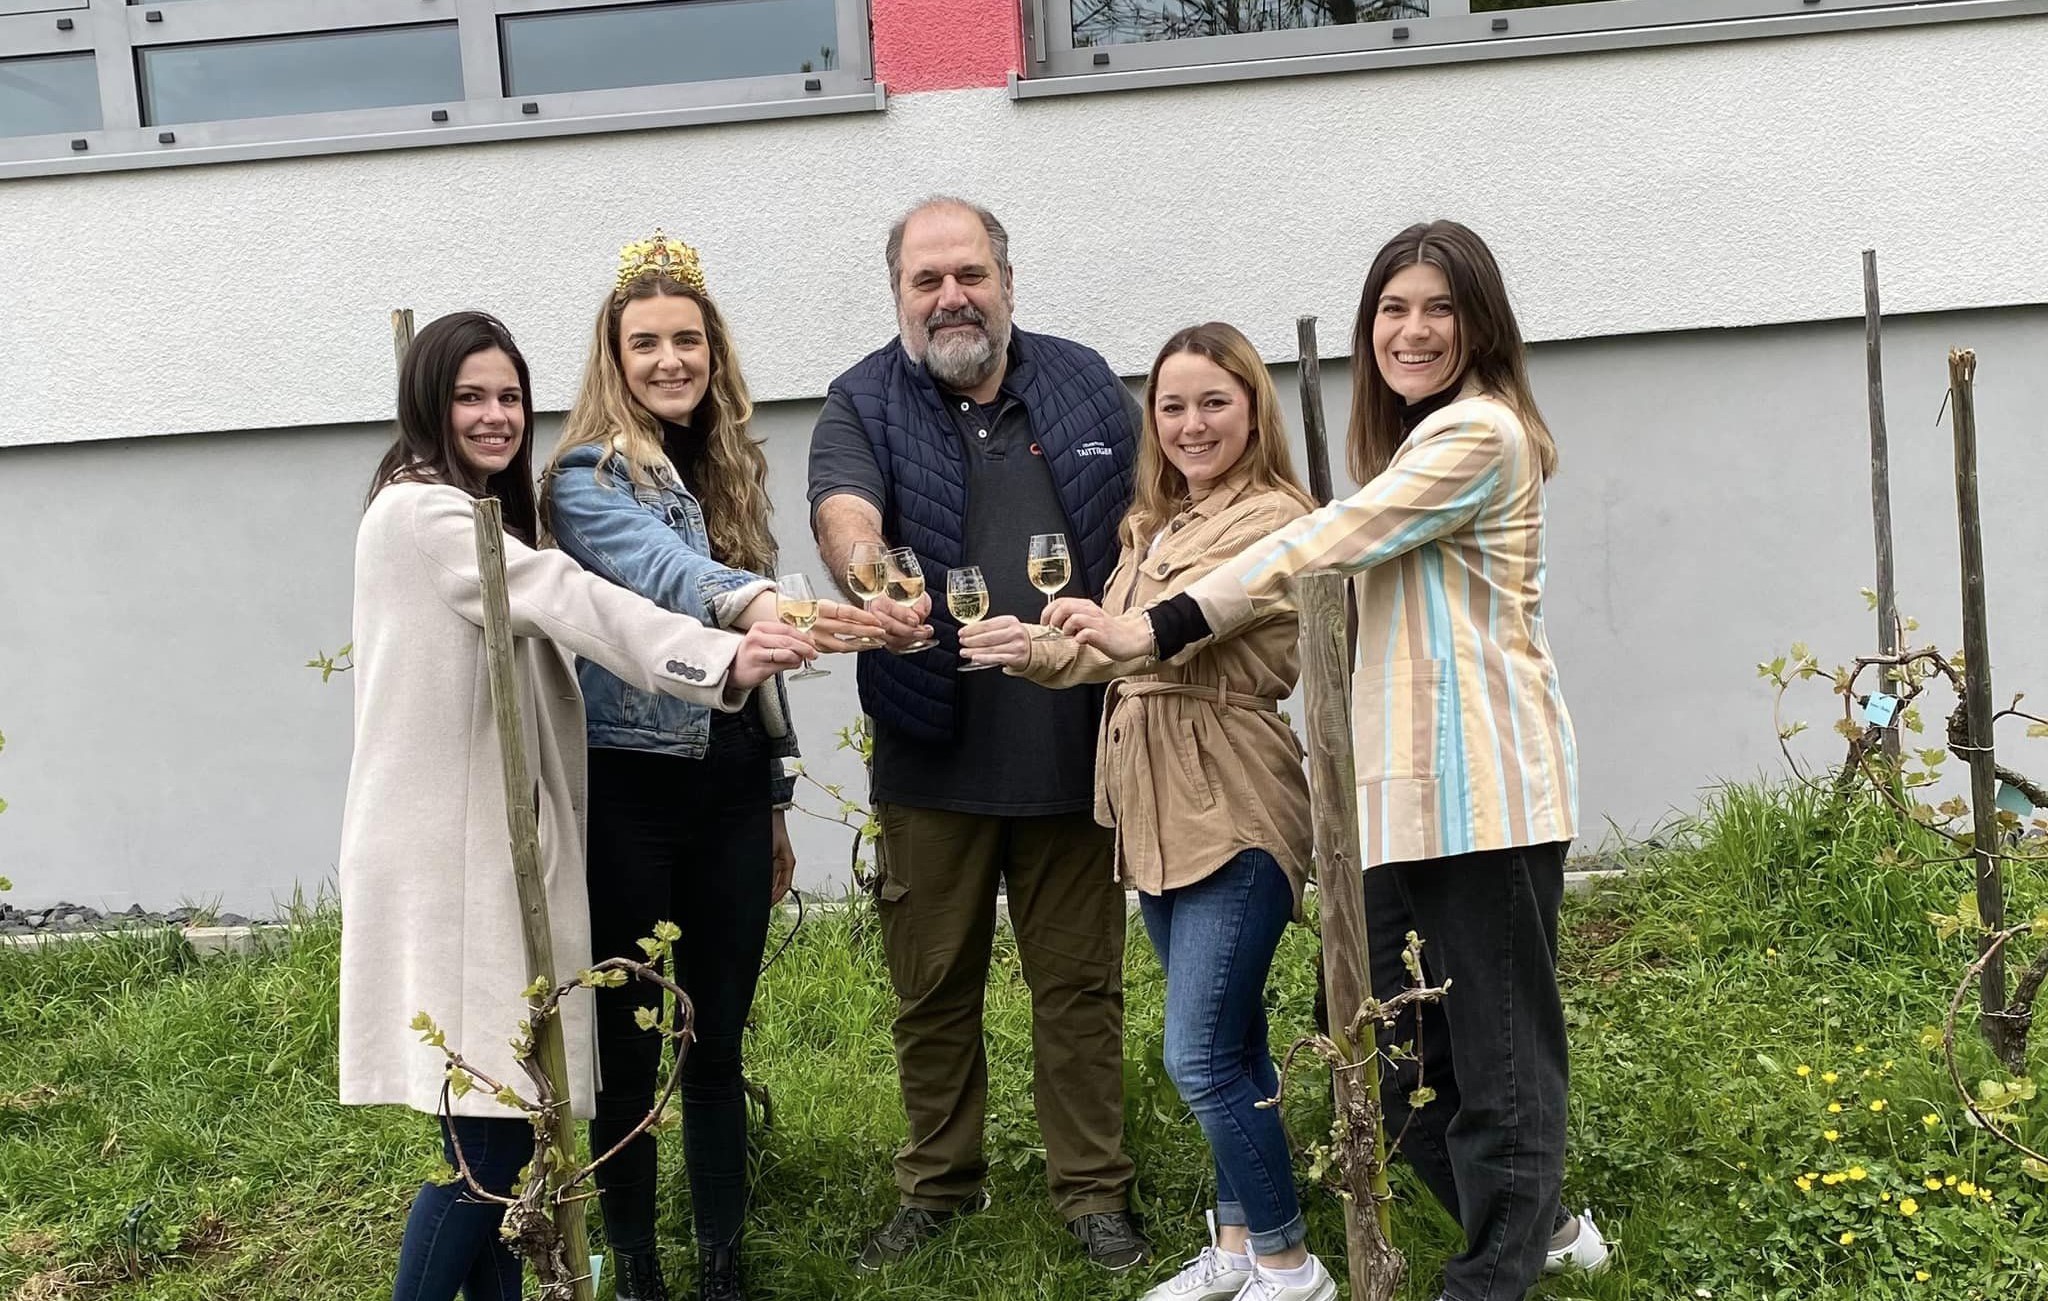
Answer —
99 84
1106 39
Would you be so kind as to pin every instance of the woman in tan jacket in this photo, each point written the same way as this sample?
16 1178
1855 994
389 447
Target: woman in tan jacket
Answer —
1203 782
430 918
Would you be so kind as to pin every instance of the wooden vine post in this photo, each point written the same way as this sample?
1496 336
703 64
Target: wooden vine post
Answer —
1375 1265
1880 485
1978 712
549 1051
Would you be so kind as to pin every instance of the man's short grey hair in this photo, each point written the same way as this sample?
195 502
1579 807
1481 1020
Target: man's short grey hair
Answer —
998 238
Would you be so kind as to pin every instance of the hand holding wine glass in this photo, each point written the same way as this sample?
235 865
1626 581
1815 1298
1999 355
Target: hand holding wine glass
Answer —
1050 568
904 586
797 605
967 600
867 569
1001 642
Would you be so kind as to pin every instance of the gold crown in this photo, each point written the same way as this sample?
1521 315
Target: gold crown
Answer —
662 256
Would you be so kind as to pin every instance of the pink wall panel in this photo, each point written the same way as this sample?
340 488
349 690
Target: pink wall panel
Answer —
946 44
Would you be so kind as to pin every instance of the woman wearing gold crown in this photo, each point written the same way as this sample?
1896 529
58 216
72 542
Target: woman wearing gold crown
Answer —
657 487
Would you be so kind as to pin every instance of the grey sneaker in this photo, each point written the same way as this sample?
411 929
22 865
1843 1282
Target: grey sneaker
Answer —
1112 1239
907 1230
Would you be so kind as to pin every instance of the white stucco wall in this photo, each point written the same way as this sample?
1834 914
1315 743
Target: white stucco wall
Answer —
1628 192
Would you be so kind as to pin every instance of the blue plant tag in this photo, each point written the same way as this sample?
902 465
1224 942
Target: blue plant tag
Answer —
2014 802
596 1272
1879 711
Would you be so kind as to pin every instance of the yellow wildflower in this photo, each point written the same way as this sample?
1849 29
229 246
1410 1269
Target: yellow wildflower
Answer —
1831 1135
1930 1120
1966 1188
1829 1077
1921 1276
1877 1104
1805 1184
1833 1177
1848 1237
1909 1207
1861 1049
1933 1184
1804 1071
1834 1108
1858 1174
1984 1194
1949 1182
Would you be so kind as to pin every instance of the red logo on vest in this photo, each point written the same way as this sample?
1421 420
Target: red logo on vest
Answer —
1036 450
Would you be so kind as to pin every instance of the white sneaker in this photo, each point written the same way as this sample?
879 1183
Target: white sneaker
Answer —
1265 1287
1208 1277
1586 1254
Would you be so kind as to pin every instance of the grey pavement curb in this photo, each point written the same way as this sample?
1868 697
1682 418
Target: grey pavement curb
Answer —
241 941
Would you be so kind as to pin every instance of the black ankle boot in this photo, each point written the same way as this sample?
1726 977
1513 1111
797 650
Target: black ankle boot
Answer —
639 1277
718 1273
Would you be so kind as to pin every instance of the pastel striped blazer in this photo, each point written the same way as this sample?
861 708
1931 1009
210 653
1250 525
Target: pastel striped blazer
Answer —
1459 728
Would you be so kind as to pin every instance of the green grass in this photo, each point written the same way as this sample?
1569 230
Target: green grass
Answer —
1764 937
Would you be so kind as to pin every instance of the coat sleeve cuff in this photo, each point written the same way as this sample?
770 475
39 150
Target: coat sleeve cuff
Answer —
725 606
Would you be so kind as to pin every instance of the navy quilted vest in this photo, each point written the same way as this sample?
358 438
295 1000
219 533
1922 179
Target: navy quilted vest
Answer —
1082 421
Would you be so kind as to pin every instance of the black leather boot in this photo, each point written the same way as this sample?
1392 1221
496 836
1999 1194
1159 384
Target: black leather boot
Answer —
639 1277
718 1273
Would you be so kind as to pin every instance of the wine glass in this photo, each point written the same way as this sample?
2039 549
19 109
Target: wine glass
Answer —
866 575
797 605
904 584
967 598
1050 569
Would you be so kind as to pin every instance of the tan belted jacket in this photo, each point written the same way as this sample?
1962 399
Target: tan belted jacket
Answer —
1194 763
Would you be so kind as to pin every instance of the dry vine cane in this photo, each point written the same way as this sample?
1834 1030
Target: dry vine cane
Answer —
1908 674
553 1177
1352 1163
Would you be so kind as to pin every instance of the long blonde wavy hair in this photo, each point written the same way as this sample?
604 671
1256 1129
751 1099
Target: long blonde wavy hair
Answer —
1161 491
733 487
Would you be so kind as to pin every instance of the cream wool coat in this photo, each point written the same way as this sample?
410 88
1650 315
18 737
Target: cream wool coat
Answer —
430 916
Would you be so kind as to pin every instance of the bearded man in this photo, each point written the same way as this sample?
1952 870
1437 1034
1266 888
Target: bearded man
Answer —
961 440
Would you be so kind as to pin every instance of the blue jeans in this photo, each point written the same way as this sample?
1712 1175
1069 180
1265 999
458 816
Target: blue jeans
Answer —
451 1237
1216 940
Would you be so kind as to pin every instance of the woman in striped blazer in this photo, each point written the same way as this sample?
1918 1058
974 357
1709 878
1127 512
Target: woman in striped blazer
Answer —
1467 773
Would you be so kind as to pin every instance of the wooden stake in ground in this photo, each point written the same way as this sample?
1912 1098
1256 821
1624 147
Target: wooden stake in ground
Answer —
1977 710
401 331
1880 484
533 901
1312 429
1376 1266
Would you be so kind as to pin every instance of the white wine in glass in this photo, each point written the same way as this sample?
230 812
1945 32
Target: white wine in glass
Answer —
1050 569
967 599
867 576
797 605
904 583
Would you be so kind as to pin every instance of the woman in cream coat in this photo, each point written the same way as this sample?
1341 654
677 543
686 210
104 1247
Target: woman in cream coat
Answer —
430 918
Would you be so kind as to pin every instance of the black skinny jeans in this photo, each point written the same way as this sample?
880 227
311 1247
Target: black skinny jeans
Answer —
687 841
1491 1144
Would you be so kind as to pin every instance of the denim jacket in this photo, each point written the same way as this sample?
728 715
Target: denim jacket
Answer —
652 540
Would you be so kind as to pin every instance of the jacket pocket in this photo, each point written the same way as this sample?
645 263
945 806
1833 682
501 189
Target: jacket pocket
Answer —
1187 748
1395 734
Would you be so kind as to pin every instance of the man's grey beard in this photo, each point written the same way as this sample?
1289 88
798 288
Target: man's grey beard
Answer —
961 362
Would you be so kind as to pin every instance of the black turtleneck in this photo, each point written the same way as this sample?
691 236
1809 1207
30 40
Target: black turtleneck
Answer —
736 738
1414 413
685 447
1178 622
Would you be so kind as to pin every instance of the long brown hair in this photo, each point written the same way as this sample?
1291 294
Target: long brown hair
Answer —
1161 491
1489 343
424 451
733 486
